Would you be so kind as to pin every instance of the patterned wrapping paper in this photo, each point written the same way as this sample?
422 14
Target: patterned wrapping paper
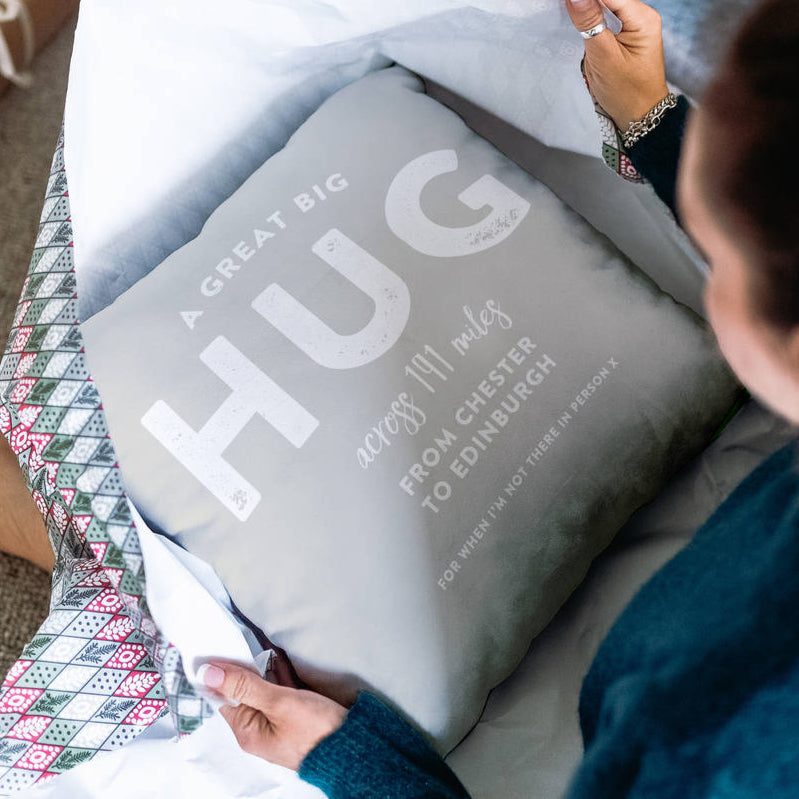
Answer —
98 672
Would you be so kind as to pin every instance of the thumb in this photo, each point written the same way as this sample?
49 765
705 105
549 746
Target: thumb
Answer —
241 685
585 14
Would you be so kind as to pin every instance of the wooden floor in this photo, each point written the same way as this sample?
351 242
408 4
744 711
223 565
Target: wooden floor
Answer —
30 121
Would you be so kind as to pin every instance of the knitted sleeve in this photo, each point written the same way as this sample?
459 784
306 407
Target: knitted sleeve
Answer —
375 753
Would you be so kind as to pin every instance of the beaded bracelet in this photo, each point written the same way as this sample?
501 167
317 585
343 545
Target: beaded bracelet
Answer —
640 127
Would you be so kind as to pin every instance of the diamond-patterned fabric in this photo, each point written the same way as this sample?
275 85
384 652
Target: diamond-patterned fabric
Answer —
98 672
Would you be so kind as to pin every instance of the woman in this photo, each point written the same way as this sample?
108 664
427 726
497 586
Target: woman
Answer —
695 691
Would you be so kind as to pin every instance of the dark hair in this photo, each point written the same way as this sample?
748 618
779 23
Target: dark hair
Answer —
750 168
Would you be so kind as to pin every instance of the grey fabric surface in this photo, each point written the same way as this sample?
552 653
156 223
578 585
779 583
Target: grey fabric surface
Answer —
30 121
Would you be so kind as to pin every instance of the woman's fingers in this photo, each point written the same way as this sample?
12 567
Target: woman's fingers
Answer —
634 15
271 721
253 732
242 686
585 14
626 73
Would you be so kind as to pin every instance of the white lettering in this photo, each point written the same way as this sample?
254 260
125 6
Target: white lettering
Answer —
336 182
243 251
190 318
211 286
201 451
308 332
408 221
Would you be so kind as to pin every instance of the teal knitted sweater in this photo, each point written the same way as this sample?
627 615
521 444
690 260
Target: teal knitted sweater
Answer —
695 690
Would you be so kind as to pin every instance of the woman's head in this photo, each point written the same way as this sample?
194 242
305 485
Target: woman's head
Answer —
738 194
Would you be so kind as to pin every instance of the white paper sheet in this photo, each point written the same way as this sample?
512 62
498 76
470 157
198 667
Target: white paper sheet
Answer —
190 606
172 105
208 763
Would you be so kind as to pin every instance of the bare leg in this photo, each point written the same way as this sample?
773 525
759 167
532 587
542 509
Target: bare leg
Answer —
22 530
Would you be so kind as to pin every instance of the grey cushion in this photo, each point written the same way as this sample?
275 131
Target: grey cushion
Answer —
399 396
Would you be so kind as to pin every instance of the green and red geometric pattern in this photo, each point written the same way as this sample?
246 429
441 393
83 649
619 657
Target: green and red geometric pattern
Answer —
98 672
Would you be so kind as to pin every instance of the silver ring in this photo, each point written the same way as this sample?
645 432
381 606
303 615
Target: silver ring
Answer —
595 31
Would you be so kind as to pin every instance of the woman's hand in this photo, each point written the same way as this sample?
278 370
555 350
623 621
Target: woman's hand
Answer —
276 722
626 73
